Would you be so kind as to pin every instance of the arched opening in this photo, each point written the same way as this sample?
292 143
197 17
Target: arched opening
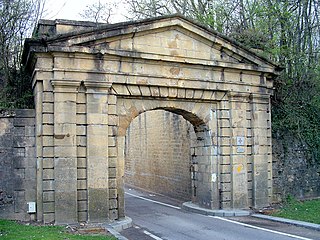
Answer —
158 154
200 164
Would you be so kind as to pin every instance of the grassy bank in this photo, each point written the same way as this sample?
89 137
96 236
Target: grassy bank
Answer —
308 211
13 230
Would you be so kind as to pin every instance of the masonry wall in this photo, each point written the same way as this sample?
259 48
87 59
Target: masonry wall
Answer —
17 163
294 172
158 155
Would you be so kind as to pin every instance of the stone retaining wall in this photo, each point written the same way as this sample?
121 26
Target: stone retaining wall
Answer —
17 163
294 172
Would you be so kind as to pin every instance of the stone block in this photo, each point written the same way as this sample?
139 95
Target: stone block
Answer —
112 109
47 163
97 205
113 214
112 99
48 151
17 131
82 195
63 152
225 150
82 173
113 193
48 207
97 118
29 131
48 97
112 172
81 108
82 184
224 114
81 141
81 152
81 162
18 162
113 152
226 187
17 122
112 162
48 185
83 216
225 132
65 174
48 174
47 118
226 196
48 217
112 183
48 108
47 141
164 92
112 141
82 206
47 129
81 130
65 139
97 151
97 140
81 98
225 169
225 177
48 196
24 113
113 203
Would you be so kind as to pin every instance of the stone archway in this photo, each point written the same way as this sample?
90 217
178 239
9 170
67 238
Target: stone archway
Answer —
91 80
201 116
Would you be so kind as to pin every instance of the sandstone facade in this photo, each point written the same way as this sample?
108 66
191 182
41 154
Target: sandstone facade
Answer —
90 81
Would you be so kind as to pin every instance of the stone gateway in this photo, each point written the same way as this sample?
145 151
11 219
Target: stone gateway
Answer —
91 80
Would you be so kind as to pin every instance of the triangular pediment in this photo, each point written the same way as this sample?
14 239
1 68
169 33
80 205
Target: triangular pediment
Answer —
172 38
174 42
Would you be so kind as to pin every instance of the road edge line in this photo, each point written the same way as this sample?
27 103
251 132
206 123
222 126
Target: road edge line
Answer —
150 200
260 228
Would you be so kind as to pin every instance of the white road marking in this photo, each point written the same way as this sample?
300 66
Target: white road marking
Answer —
220 218
262 229
149 200
151 235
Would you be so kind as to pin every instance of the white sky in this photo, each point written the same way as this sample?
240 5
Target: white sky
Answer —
70 9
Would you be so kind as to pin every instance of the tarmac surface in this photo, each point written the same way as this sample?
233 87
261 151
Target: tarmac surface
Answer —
158 217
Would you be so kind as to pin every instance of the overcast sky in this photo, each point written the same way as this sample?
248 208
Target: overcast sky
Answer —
70 9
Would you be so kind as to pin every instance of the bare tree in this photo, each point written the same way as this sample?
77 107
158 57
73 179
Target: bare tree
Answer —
99 12
17 20
287 31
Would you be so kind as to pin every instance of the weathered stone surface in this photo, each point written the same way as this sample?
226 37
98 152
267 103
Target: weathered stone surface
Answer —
17 164
89 88
295 173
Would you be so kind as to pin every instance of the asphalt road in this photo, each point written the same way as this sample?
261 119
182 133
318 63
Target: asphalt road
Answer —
156 217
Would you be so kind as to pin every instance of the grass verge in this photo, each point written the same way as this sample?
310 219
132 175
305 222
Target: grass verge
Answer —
14 230
307 211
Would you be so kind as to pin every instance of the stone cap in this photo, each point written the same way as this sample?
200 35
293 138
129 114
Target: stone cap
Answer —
50 28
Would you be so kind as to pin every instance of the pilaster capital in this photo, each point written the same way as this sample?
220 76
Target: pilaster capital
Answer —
259 98
238 96
97 87
65 86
